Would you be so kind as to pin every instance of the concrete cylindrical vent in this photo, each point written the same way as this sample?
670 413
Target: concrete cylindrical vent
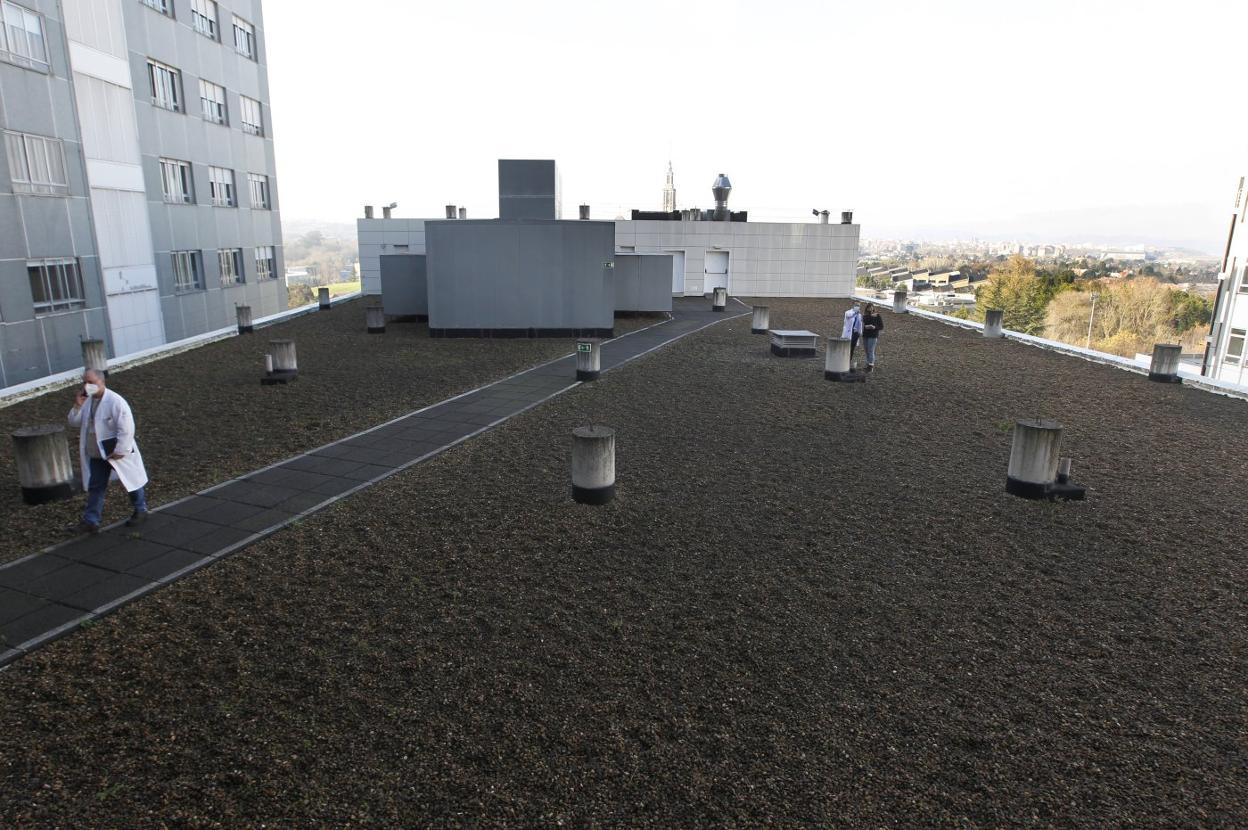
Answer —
1165 365
593 465
837 361
244 319
44 470
761 321
323 297
1033 458
463 213
899 302
823 217
584 209
719 299
993 318
95 356
368 211
283 352
588 359
375 319
847 217
268 364
450 211
385 212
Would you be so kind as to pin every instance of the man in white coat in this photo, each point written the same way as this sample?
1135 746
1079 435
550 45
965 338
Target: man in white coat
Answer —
106 449
852 329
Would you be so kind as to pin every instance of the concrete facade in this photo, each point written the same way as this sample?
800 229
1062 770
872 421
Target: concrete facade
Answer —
1226 354
526 277
45 215
750 259
116 89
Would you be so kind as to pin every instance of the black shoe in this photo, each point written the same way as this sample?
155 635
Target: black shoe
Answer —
137 519
86 527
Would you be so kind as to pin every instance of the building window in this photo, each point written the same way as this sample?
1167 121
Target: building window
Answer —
204 17
166 83
249 115
21 37
162 6
212 102
36 164
188 272
175 182
231 260
244 38
55 285
1243 278
259 186
221 186
266 265
1235 346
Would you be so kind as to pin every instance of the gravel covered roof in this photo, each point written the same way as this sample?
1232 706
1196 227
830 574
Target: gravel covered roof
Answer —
775 623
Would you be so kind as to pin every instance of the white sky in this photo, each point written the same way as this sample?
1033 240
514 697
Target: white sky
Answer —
1094 119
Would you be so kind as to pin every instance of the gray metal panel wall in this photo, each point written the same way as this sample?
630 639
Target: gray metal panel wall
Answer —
523 274
528 189
643 282
404 286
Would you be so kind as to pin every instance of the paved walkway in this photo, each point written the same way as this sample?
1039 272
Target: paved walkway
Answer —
48 594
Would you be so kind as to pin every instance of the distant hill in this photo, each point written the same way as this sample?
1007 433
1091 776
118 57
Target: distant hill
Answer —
293 229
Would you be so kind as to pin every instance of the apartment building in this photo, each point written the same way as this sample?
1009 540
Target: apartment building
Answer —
1226 357
140 203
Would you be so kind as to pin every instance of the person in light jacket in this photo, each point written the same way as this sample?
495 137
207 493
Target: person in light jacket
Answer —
106 450
872 325
852 329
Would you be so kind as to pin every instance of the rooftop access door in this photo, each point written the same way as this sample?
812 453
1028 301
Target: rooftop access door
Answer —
715 271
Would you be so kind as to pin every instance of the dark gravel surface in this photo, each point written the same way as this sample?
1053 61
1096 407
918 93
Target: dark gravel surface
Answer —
204 418
812 604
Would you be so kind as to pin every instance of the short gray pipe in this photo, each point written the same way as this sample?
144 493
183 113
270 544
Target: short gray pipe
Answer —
593 465
44 470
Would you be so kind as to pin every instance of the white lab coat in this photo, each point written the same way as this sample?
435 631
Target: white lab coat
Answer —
113 419
853 323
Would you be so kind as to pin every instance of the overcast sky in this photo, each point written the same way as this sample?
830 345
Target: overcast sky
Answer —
1084 120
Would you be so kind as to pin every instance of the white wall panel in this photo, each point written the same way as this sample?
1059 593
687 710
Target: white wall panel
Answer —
106 112
96 23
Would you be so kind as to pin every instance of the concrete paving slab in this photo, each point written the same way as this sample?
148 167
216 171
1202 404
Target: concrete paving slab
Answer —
43 620
166 564
104 592
14 604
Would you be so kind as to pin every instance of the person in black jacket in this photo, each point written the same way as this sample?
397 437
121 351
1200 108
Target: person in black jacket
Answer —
872 325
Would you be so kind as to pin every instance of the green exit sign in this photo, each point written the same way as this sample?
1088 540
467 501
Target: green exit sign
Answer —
584 347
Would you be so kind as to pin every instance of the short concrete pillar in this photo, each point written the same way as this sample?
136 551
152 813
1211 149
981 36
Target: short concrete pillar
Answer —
323 296
836 362
584 211
95 356
450 211
368 211
244 319
762 320
823 217
1165 365
463 213
992 323
375 319
593 465
588 359
280 365
899 302
385 212
44 470
719 299
1037 470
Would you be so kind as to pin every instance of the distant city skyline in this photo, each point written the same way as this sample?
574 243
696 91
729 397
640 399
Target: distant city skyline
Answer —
1081 121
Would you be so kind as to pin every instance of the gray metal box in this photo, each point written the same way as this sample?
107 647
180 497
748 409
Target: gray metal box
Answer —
643 283
520 278
404 287
528 189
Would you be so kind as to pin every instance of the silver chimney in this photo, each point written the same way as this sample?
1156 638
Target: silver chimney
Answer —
463 213
450 211
720 190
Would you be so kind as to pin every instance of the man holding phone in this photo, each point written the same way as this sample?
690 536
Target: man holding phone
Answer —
106 450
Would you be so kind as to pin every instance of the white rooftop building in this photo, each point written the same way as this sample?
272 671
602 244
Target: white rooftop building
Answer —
1225 352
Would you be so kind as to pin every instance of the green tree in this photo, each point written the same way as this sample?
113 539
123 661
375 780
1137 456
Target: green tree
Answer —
1014 288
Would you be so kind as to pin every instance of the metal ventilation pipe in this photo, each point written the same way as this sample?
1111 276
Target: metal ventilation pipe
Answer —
584 211
847 217
823 217
450 211
368 211
463 213
385 212
720 190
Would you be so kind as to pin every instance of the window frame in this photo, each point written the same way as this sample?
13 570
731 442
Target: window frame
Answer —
64 281
156 69
248 29
1235 359
221 190
211 28
237 276
164 7
191 261
185 177
8 9
261 181
207 105
270 263
53 155
246 126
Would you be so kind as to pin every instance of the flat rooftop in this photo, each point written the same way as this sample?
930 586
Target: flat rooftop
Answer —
811 603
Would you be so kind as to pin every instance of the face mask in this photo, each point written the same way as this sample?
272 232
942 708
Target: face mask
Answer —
92 390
